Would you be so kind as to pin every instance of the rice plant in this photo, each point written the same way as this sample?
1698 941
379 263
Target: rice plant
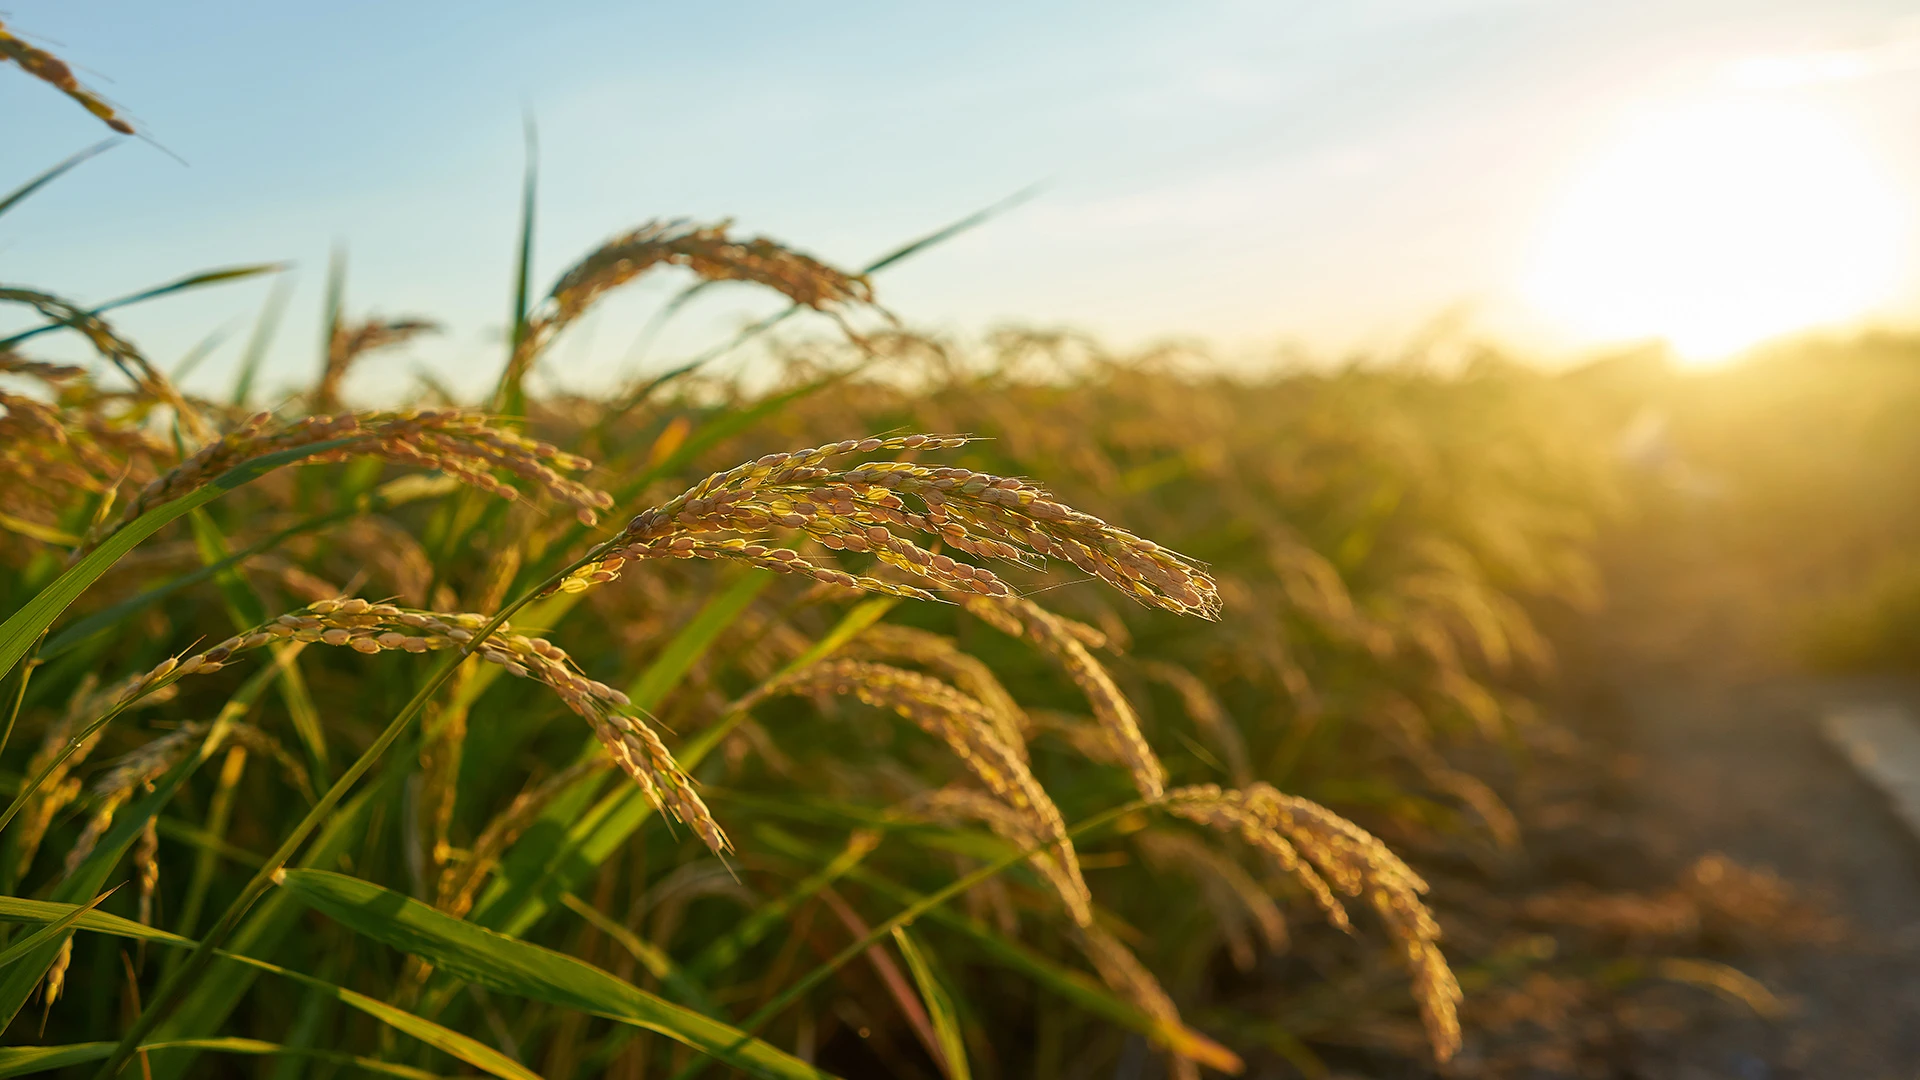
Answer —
903 754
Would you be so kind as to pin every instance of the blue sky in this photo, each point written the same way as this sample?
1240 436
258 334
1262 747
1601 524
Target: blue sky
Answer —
1334 174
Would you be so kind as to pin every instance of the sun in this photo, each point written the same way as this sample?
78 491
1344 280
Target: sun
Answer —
1717 226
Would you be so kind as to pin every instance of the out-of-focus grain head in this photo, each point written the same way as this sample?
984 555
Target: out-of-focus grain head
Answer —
50 69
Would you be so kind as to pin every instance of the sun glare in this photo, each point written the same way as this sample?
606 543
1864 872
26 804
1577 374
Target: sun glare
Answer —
1717 226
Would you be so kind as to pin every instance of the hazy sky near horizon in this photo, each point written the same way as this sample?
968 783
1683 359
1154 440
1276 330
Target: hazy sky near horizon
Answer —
1332 174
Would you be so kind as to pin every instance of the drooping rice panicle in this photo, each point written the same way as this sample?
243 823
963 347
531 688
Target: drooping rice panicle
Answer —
1058 865
1328 853
966 727
944 658
459 443
706 250
369 628
862 510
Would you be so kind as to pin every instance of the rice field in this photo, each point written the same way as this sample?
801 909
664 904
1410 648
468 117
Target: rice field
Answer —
929 710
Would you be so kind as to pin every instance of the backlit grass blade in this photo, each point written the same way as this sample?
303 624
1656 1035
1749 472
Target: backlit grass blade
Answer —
472 1051
510 397
20 630
260 339
12 198
511 966
50 932
14 909
185 284
939 1003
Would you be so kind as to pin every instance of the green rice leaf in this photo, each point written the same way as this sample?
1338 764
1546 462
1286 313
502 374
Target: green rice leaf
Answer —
939 1003
50 932
511 966
12 198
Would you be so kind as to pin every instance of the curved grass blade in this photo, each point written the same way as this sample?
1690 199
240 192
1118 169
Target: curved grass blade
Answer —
17 910
939 1003
26 1060
510 397
262 337
50 932
473 1052
13 197
511 966
191 281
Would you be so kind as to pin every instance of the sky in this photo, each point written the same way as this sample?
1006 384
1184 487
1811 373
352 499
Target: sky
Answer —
1268 178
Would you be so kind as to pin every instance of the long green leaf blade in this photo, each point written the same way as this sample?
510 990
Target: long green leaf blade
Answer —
939 1003
13 197
511 966
50 932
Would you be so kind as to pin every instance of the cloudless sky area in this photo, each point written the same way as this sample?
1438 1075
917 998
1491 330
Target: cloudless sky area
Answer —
1327 176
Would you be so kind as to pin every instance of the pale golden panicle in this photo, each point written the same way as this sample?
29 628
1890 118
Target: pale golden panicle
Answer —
459 443
56 983
1207 714
369 628
706 250
54 71
963 724
116 349
1295 832
1111 708
864 510
1059 866
942 656
348 342
1236 899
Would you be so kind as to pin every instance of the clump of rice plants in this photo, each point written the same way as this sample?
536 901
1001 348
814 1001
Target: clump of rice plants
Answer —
406 866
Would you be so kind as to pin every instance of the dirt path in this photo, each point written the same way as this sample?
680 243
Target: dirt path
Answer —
1681 678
